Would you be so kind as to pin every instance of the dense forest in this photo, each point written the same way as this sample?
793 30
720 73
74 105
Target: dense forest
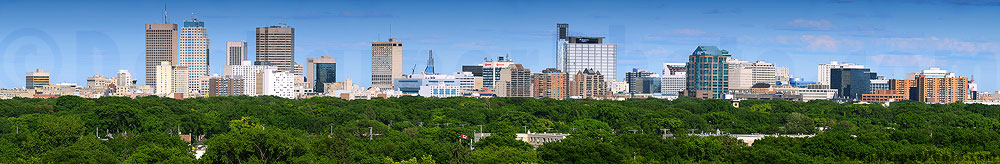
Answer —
244 129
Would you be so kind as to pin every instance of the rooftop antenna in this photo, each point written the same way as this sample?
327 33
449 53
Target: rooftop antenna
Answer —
164 13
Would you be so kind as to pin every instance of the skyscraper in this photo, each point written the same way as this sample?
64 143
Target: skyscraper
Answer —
36 80
938 86
194 50
708 73
236 52
576 53
276 47
429 69
320 71
387 63
161 46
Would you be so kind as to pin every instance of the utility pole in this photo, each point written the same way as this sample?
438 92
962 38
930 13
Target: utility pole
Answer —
481 129
370 133
525 129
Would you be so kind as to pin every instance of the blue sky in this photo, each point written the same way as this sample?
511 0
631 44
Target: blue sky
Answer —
74 40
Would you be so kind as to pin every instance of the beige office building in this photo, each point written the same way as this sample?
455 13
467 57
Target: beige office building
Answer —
36 80
236 52
276 47
550 83
589 84
161 46
387 63
515 81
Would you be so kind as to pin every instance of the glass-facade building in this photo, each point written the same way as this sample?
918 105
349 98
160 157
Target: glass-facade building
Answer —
324 73
708 73
851 82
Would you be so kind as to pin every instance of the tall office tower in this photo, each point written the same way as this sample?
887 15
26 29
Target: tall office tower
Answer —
248 72
320 71
672 81
98 81
851 83
161 46
708 73
236 52
491 70
124 79
588 84
476 70
36 80
276 47
515 81
632 77
387 63
576 53
165 74
194 50
226 86
429 69
763 72
823 70
273 82
551 83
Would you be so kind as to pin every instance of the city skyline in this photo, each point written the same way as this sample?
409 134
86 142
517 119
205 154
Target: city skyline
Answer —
908 42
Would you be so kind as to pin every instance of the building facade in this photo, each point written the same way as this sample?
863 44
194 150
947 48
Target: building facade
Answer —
226 86
236 52
321 70
194 52
550 83
276 47
273 82
491 70
248 72
851 83
938 86
37 79
632 78
515 81
823 70
674 75
588 84
577 53
161 46
707 73
387 63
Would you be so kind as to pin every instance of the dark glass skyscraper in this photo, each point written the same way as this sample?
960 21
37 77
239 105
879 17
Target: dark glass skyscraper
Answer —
325 73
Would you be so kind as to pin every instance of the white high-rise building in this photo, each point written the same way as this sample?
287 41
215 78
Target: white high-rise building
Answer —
576 53
124 79
782 74
823 70
194 50
674 78
236 52
276 83
248 72
579 53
